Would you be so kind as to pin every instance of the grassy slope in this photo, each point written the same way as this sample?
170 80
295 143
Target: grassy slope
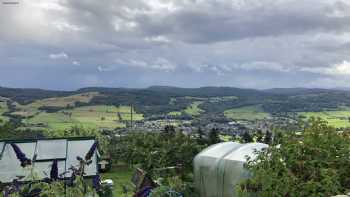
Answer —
194 109
32 108
100 116
339 118
120 176
246 113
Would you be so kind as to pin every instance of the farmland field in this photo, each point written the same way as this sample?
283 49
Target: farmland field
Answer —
334 118
99 116
194 109
33 108
253 112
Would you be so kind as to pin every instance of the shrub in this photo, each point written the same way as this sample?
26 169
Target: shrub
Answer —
314 162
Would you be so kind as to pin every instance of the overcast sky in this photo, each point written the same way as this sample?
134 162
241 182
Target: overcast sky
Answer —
68 44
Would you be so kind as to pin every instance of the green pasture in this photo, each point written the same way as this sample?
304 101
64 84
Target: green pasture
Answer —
338 119
253 112
99 116
194 109
32 109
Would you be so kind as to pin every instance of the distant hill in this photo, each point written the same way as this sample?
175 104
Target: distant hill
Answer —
166 99
298 91
23 95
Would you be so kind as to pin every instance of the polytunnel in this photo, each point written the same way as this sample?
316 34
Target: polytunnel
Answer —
219 168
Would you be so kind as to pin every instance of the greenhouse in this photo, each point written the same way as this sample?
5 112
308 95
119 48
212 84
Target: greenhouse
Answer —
43 152
219 168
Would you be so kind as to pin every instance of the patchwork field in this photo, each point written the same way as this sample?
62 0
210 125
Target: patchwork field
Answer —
69 101
337 119
246 113
99 116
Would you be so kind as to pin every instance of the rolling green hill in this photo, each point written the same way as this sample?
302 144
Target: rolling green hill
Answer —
52 108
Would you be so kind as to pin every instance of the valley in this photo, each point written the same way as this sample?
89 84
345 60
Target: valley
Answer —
154 107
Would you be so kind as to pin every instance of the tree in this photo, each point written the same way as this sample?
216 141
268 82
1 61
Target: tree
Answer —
246 137
268 137
169 130
259 136
213 137
314 162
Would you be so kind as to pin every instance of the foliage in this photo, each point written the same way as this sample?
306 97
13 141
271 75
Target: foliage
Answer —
76 131
164 156
213 136
10 130
156 150
315 162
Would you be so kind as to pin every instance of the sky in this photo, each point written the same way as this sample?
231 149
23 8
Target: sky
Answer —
69 44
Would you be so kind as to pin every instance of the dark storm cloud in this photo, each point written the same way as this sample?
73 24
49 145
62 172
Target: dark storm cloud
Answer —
65 44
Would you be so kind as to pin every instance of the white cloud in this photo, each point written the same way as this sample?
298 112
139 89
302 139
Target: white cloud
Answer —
61 55
159 39
64 26
157 64
105 68
163 64
337 69
76 63
262 65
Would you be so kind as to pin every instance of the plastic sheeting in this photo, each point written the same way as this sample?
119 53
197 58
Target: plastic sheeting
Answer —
219 168
64 150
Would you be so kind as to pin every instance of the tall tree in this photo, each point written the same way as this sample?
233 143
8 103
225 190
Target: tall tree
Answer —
213 137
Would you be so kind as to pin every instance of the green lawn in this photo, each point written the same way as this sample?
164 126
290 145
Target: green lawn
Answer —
339 118
253 112
194 109
99 116
121 175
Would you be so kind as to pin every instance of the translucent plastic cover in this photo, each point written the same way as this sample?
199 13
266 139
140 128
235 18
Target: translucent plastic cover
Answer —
219 168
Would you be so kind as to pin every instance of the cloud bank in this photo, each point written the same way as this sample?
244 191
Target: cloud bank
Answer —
243 43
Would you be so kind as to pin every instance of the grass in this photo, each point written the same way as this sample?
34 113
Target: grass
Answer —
64 101
222 99
253 112
225 138
3 109
175 113
121 175
33 108
338 118
194 109
98 116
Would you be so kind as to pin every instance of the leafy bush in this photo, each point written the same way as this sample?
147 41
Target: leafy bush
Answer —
153 151
314 162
